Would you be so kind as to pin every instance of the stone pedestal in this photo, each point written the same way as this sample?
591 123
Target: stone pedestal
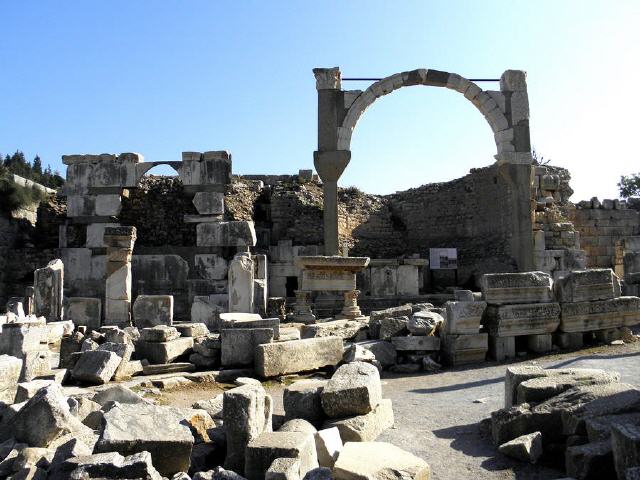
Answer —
334 274
351 310
302 309
119 242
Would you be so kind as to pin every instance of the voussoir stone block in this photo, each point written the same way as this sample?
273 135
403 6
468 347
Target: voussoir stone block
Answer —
295 356
511 288
354 389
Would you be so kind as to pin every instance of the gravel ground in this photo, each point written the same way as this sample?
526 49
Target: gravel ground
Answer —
439 416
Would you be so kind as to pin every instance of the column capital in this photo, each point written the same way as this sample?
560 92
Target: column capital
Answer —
328 78
331 164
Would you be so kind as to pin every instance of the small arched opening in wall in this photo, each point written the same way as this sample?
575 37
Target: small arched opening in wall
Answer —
157 207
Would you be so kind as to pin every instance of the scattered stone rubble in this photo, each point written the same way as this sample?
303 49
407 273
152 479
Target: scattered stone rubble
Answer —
586 415
331 425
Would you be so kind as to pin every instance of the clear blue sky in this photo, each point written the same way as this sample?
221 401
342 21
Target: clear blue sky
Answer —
166 76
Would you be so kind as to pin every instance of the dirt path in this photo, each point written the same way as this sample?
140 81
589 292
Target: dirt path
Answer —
438 417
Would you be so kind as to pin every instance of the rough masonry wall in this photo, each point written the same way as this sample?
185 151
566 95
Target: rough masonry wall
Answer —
601 225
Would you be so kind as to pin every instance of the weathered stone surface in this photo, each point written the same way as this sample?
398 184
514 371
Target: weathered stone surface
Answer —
522 319
625 443
354 389
18 338
109 465
84 311
35 364
239 344
599 428
393 327
117 393
195 330
378 460
241 283
591 460
26 390
226 234
135 428
599 315
168 368
527 448
164 352
514 376
152 310
376 316
298 425
209 203
570 341
257 322
512 288
570 409
465 349
424 323
44 418
365 428
345 329
48 284
212 406
302 399
262 451
283 469
384 351
328 446
247 415
295 356
502 348
10 368
556 381
96 366
416 343
587 286
463 317
159 333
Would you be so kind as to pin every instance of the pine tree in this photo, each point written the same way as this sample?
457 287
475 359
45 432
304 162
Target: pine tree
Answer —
37 166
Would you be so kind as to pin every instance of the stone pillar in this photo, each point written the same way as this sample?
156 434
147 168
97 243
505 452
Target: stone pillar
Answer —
330 162
29 293
241 283
302 309
330 166
48 283
119 242
351 310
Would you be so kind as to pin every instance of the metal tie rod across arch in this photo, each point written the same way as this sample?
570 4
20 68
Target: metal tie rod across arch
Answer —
366 79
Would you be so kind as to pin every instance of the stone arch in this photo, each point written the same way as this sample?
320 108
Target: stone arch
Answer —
142 168
485 101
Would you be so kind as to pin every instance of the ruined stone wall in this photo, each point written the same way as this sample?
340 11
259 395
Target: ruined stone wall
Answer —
157 208
601 225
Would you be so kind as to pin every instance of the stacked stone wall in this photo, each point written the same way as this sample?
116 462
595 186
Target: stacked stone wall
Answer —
601 225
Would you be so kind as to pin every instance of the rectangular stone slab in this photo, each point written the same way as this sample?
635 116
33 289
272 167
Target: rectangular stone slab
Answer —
413 344
510 288
464 317
599 315
522 319
294 356
587 285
